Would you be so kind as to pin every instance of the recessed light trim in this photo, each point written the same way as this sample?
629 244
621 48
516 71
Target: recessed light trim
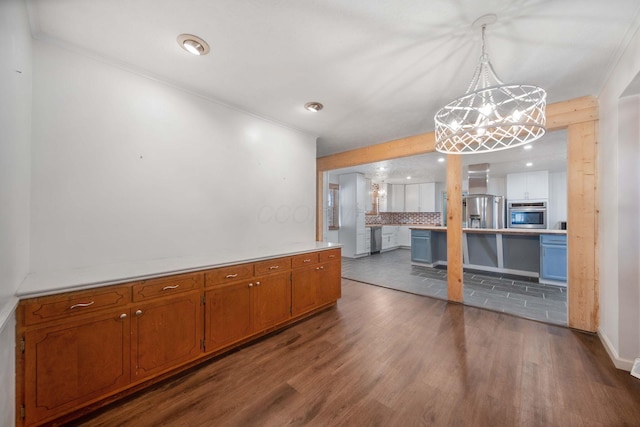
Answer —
529 164
313 106
193 44
528 147
440 159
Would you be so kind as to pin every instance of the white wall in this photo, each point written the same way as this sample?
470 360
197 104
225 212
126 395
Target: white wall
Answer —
126 168
619 289
15 125
557 205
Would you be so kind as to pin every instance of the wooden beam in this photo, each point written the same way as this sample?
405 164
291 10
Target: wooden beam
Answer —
412 145
454 228
582 224
559 116
574 111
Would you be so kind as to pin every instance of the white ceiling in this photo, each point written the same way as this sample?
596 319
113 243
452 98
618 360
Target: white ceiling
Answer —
381 68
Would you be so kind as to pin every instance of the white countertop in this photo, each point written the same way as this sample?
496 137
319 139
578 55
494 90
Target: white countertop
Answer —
38 284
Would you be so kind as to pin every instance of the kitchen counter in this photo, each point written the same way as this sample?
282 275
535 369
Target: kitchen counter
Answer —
505 250
39 284
522 231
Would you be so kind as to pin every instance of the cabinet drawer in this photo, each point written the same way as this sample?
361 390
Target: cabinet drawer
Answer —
273 266
329 255
163 286
421 233
71 304
553 239
304 260
229 274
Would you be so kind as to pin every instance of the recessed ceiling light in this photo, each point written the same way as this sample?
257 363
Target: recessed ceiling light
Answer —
440 159
408 177
529 164
313 106
381 168
528 147
193 44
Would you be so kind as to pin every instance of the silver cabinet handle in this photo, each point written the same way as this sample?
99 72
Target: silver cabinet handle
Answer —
123 316
307 260
322 267
257 283
317 268
81 304
274 267
251 285
231 276
138 312
166 288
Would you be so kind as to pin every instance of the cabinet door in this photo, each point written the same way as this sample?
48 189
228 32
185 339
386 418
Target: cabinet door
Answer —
516 186
67 365
397 198
421 249
271 300
411 198
538 185
329 283
165 333
228 314
554 262
428 197
304 283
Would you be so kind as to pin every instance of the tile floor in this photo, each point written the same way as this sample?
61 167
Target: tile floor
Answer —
516 295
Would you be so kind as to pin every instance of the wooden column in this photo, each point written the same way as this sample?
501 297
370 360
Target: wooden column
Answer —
454 228
582 225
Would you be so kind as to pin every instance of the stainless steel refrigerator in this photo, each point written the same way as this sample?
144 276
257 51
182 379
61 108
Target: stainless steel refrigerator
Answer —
483 211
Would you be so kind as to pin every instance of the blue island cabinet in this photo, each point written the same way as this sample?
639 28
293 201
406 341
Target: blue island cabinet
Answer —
421 246
553 259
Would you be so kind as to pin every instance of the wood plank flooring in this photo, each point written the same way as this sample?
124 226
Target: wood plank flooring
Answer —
387 358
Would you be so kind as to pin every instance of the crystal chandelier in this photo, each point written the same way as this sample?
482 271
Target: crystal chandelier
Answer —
491 115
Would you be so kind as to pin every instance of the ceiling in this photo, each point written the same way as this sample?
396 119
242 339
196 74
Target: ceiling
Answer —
381 68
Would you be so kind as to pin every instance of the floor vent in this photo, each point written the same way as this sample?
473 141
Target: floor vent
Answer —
635 371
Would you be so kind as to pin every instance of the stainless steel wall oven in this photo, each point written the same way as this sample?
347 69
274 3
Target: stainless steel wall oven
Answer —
527 214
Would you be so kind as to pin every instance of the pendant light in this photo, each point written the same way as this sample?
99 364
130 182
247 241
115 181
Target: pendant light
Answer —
491 115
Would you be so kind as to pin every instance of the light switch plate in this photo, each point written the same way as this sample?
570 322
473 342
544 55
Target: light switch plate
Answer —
635 371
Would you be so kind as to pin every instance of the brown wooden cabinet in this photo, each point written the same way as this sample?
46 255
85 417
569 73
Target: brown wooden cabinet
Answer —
80 348
228 314
316 281
69 364
237 310
167 323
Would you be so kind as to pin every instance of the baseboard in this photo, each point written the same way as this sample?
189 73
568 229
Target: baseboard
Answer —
618 362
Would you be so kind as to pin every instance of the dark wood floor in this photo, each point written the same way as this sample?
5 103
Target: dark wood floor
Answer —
388 358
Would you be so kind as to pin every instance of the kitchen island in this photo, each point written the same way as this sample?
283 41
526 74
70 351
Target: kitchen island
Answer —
536 253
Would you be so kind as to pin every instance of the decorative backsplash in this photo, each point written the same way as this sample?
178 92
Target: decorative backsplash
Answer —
411 218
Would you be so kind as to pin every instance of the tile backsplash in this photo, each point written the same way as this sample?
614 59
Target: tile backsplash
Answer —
410 218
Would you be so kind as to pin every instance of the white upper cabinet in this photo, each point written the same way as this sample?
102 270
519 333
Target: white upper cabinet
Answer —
411 197
420 197
396 197
528 186
427 197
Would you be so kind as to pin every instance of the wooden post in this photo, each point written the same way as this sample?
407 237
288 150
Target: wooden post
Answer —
582 225
454 228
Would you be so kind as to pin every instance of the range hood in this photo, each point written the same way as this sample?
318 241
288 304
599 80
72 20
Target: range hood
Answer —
478 178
